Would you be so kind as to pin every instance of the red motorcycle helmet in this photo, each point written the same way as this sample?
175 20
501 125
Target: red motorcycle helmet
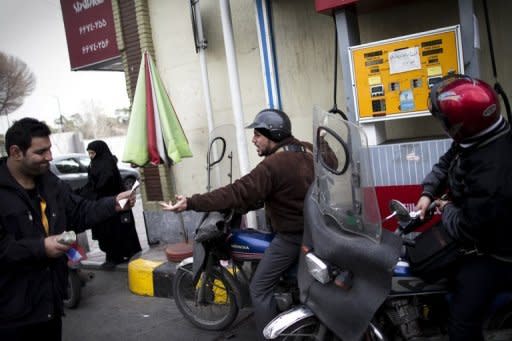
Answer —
465 106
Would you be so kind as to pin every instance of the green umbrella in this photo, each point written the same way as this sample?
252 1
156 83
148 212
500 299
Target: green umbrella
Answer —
154 133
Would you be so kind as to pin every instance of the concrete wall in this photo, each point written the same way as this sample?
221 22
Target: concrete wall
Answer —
65 143
305 51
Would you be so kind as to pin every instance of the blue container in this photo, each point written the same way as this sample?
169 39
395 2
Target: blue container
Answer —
402 269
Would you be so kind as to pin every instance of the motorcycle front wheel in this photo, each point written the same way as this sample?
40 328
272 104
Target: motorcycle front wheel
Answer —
217 307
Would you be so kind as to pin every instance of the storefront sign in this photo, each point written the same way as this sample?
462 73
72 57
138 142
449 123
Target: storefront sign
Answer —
90 33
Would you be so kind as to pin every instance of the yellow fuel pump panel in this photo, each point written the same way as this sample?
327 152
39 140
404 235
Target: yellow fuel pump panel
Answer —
392 78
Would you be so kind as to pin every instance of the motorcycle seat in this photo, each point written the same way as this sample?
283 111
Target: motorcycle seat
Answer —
177 252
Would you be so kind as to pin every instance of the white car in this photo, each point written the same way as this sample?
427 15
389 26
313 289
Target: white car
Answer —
72 168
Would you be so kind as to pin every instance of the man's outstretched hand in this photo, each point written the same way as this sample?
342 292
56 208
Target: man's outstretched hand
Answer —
179 206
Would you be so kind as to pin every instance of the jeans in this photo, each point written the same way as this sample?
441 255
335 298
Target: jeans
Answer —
477 281
282 253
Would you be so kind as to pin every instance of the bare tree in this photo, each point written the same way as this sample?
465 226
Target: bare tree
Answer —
16 82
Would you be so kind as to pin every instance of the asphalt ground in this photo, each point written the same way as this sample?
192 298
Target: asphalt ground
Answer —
109 311
96 256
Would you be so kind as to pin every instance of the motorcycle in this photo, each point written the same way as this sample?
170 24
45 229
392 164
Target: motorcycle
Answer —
76 280
76 277
354 279
212 286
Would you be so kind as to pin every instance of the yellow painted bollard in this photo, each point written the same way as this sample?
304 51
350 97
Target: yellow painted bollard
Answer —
140 276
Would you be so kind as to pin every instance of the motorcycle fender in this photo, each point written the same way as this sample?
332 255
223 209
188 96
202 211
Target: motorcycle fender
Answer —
286 319
195 267
185 262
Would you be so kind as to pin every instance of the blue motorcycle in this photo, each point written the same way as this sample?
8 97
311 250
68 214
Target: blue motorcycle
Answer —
212 286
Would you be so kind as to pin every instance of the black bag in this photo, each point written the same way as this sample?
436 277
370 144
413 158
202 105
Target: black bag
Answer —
126 217
433 253
212 225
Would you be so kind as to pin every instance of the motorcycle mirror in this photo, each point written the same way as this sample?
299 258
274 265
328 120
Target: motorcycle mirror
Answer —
216 151
399 210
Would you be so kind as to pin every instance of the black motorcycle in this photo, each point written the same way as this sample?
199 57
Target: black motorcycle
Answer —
354 278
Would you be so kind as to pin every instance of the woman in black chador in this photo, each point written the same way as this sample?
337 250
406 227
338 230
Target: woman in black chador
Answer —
116 236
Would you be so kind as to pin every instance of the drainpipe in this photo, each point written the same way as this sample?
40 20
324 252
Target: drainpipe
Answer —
470 38
234 85
236 98
267 53
202 44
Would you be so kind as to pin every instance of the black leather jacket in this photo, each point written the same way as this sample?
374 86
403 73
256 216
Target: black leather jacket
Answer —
32 286
478 178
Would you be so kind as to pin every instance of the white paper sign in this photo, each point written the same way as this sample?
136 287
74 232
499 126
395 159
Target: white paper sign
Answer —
404 60
123 202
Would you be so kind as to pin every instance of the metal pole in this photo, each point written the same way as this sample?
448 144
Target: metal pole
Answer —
470 38
234 85
204 67
267 53
236 98
348 35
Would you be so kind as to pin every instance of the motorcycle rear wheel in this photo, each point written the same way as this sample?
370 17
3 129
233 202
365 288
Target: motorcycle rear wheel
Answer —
219 309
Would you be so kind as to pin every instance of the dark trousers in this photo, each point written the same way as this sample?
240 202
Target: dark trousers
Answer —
282 253
49 330
477 281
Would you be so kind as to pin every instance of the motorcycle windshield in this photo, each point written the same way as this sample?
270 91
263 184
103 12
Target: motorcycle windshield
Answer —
344 186
222 158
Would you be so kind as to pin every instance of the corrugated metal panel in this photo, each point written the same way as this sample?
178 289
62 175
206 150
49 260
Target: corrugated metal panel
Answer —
405 163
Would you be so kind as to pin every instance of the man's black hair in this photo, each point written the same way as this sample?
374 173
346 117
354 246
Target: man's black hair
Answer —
22 132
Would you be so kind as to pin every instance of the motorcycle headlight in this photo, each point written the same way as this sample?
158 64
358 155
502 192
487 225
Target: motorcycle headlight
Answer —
317 268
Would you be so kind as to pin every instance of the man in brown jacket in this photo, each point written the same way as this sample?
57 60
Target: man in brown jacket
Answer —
281 181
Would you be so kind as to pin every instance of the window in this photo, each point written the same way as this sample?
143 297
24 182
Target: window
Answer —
69 166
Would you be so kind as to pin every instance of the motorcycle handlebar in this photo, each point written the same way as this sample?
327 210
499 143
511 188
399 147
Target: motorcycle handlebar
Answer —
416 221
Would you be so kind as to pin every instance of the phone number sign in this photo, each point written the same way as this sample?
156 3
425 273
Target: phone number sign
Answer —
90 32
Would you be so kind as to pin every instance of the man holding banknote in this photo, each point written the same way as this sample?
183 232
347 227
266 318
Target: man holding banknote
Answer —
36 207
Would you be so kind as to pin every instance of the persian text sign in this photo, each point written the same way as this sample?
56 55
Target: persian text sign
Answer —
90 32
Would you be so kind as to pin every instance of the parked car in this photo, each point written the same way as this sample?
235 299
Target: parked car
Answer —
72 168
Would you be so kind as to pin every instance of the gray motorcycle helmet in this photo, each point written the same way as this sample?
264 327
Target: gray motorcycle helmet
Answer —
272 123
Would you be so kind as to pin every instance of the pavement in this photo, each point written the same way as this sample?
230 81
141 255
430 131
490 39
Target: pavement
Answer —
109 311
134 300
149 272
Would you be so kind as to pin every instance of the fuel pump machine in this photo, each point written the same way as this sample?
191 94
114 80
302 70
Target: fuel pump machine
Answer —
392 78
389 80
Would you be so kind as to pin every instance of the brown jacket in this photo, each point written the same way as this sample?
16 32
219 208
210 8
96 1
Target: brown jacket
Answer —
281 181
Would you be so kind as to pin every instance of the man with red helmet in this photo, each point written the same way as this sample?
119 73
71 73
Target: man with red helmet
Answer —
476 173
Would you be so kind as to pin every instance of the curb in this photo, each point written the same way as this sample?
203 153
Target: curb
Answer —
95 265
150 274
